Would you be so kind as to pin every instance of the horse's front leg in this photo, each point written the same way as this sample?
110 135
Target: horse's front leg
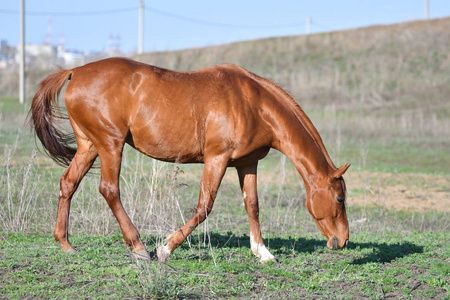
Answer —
212 176
247 180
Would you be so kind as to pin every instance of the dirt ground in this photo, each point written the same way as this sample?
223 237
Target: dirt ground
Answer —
419 192
402 191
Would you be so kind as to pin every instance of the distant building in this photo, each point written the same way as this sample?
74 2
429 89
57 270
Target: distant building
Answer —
6 55
38 56
70 58
3 44
40 50
47 56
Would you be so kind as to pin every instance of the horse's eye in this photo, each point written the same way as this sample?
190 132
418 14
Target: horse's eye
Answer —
340 199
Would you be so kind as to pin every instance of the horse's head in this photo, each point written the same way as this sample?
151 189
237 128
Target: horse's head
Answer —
326 203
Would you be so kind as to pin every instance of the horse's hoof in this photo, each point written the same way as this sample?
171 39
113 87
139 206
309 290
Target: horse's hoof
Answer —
266 259
71 251
163 253
143 255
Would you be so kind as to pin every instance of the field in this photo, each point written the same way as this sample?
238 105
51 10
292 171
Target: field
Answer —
379 98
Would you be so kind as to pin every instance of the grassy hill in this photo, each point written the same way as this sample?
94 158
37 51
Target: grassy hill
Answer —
378 95
371 65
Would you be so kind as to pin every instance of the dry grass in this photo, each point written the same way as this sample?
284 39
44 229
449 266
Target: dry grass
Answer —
377 95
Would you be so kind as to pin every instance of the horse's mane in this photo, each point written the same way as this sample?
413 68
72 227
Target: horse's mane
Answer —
304 119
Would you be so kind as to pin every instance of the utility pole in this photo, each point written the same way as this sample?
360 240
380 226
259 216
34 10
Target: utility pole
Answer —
22 53
427 10
308 25
141 28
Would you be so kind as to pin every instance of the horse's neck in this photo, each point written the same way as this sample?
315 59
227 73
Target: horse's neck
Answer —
305 154
300 142
295 135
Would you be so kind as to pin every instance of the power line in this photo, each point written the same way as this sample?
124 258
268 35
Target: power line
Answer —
218 24
71 14
326 27
151 10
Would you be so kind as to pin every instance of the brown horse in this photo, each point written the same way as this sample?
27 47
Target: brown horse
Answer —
222 116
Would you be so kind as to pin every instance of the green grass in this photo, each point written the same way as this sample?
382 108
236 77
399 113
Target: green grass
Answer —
374 266
11 105
404 156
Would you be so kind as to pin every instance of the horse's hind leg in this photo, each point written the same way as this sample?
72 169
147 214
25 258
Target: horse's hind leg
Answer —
110 161
80 164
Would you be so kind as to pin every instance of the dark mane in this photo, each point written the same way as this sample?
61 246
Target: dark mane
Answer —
304 119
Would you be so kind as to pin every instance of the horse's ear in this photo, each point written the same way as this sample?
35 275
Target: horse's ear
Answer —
340 171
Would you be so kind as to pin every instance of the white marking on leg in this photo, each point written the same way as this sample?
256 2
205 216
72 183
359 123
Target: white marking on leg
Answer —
244 195
60 193
163 253
260 251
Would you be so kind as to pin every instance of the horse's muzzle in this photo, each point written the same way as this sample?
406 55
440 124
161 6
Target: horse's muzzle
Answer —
335 244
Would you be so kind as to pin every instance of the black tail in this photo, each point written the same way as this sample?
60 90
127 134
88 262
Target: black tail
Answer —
44 117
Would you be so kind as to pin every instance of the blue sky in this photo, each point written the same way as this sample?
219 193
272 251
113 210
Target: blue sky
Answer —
169 25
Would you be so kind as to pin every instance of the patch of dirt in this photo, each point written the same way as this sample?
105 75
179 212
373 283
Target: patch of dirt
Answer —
401 191
418 192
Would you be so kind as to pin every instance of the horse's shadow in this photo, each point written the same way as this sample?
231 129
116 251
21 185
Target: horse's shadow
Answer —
381 252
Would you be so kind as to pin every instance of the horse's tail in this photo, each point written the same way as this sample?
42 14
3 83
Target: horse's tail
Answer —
45 118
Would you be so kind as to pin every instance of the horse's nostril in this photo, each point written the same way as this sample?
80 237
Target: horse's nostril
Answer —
346 243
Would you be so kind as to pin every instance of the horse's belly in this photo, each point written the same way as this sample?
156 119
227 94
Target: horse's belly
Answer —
167 148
